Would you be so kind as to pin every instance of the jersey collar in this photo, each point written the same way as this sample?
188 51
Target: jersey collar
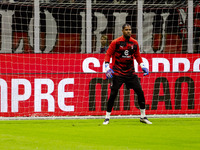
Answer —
124 39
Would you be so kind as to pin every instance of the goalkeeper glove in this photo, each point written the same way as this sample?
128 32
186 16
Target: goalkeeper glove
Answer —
109 71
144 69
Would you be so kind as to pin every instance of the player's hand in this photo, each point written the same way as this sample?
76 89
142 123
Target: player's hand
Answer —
144 69
109 72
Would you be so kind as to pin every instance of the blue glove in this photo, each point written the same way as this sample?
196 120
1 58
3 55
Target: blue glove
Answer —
109 71
144 69
109 74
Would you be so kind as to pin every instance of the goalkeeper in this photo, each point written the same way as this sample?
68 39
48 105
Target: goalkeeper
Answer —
123 50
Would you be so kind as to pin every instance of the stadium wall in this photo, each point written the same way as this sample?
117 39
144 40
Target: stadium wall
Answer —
32 86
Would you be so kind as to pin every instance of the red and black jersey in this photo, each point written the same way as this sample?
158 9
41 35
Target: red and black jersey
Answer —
123 53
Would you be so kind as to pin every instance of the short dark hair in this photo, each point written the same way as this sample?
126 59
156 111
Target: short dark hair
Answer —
126 24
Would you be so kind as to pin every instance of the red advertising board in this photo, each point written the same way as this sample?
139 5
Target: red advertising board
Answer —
74 84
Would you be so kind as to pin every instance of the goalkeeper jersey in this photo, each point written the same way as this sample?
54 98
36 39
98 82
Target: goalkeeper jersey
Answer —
123 53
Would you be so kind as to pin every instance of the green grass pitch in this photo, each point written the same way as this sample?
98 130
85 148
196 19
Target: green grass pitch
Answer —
90 134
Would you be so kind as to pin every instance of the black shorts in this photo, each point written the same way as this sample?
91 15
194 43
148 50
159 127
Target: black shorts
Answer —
131 82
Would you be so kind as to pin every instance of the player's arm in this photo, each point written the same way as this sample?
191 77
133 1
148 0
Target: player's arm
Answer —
139 61
108 55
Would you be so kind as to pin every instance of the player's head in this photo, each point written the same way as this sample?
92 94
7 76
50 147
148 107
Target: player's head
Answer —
126 30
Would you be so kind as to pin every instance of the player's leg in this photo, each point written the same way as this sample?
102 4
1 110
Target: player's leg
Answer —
110 104
141 102
134 83
115 86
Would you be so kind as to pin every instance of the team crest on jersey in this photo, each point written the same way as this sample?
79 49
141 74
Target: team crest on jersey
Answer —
122 44
131 46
